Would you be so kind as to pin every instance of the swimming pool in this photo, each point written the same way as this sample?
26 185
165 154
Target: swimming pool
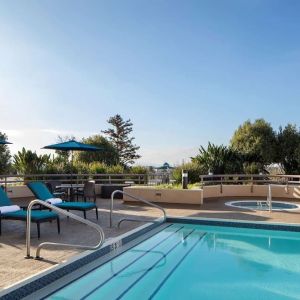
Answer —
263 205
183 258
189 261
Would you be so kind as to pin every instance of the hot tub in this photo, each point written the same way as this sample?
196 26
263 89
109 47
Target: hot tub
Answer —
262 205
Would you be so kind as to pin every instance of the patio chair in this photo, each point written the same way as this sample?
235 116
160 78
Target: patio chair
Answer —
55 190
8 211
88 191
40 191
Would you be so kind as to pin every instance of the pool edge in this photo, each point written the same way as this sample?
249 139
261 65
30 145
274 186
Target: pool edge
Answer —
28 286
37 284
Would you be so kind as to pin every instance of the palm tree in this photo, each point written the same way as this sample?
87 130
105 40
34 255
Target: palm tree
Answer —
218 159
28 162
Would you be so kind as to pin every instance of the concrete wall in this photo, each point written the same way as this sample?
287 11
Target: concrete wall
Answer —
209 192
164 195
189 196
278 191
22 191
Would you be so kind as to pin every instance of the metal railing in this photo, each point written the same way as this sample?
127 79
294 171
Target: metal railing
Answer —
249 179
149 178
123 178
269 197
68 214
135 198
99 178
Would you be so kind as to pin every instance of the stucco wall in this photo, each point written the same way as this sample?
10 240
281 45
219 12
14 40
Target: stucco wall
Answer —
22 191
190 196
209 192
164 195
278 191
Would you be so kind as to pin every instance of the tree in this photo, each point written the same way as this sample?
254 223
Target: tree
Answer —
28 162
119 136
63 157
107 155
288 154
218 160
4 156
257 141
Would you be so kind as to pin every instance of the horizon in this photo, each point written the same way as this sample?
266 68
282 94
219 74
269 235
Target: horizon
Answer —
185 73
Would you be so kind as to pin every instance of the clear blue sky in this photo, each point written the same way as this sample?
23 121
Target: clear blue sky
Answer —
185 72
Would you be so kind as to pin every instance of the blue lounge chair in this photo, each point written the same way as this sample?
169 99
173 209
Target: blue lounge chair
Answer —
40 190
37 217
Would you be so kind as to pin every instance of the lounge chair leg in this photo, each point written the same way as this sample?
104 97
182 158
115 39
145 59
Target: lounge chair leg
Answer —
0 226
38 229
84 214
97 213
58 225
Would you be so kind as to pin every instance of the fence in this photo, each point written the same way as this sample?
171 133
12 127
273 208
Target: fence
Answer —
251 179
151 179
136 179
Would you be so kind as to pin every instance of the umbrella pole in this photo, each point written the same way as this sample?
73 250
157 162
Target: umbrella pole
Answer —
71 190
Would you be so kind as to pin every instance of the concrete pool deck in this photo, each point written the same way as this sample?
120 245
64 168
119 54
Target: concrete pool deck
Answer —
14 267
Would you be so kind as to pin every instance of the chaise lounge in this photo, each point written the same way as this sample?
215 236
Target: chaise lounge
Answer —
40 190
9 211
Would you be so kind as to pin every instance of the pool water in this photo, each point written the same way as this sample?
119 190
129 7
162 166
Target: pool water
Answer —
186 261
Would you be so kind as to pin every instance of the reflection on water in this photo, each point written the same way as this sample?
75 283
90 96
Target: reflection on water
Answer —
267 252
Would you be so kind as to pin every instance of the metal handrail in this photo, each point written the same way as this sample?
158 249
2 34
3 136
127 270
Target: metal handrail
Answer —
248 179
66 213
136 198
150 179
269 197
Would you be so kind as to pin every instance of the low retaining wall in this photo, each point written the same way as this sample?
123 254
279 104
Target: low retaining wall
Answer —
164 195
189 196
258 191
22 191
210 192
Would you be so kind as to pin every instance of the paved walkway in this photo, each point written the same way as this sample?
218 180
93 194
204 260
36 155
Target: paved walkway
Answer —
14 267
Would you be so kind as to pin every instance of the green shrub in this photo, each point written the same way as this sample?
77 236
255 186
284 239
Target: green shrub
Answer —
54 168
252 168
194 171
176 186
98 168
117 169
138 170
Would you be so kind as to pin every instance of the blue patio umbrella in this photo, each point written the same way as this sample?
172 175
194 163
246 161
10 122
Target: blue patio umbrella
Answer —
72 145
3 142
165 166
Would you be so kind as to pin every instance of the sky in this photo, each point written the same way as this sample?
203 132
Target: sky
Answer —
184 72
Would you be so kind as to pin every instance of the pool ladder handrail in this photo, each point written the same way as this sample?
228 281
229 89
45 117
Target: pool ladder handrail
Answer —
135 198
68 214
269 197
